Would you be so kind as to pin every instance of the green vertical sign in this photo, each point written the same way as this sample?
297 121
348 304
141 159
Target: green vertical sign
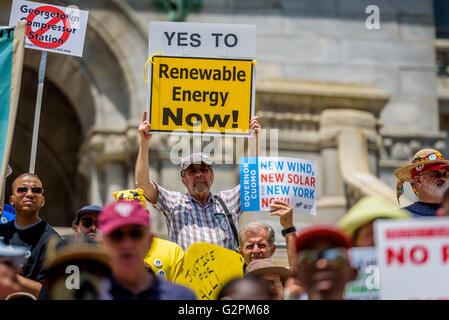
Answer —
6 54
12 41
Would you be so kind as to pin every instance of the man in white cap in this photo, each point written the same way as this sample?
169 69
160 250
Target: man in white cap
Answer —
427 174
196 216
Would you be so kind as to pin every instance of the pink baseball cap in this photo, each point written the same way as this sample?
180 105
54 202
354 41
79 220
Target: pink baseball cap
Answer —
324 232
122 213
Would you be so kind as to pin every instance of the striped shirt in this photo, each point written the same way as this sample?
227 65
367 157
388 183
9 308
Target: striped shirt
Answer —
188 222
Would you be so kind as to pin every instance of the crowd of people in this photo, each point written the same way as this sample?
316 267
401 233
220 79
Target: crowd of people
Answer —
112 253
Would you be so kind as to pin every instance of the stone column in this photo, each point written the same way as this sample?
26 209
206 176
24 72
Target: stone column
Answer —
332 122
114 179
89 169
133 143
109 163
337 194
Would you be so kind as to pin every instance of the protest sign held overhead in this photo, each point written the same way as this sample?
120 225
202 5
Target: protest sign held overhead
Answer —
11 62
202 78
414 254
201 95
51 28
264 180
212 40
207 268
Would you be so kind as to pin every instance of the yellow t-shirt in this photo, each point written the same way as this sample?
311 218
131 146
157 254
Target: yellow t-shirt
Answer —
165 259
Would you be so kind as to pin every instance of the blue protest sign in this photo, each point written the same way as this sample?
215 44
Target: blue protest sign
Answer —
266 179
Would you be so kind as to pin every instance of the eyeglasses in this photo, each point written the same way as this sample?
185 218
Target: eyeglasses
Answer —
335 256
134 234
88 222
36 190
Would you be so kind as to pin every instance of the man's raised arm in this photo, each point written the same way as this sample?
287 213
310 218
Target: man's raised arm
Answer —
285 213
252 142
142 168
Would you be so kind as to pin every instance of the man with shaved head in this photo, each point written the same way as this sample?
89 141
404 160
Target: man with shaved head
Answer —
28 230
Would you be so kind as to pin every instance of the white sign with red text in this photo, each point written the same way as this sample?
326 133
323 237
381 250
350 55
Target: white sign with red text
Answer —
264 180
51 28
413 257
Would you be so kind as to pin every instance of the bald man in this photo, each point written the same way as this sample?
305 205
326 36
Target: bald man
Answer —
28 230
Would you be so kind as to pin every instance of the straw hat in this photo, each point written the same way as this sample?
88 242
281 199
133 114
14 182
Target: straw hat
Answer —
420 159
423 160
263 266
61 252
20 296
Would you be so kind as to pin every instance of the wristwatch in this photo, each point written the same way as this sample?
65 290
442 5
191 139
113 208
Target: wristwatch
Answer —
288 230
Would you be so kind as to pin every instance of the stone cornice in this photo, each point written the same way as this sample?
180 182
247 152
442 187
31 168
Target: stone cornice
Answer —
318 96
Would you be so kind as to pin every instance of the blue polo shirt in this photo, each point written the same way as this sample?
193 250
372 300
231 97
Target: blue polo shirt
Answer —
423 209
158 290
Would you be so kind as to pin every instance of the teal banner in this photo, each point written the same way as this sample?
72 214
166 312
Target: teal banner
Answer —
6 54
12 41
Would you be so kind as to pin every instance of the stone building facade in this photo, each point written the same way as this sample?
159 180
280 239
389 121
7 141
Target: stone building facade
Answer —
360 101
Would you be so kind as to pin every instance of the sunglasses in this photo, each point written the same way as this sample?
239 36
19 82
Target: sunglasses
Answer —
36 190
134 234
335 256
88 222
437 174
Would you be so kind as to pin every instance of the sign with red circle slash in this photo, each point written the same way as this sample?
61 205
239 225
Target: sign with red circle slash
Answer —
38 34
51 28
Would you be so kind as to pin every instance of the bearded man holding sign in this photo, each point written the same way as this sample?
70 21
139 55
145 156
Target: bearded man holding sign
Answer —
196 216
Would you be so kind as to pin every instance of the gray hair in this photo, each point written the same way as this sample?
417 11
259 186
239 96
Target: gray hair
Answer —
254 227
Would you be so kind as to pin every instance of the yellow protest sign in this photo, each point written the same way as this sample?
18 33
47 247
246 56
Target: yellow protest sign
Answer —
208 267
201 95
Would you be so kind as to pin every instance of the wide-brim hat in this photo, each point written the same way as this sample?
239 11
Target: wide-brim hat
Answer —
264 266
20 296
368 209
74 249
420 159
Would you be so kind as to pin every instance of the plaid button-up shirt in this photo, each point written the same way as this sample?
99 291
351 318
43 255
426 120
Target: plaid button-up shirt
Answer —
188 222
